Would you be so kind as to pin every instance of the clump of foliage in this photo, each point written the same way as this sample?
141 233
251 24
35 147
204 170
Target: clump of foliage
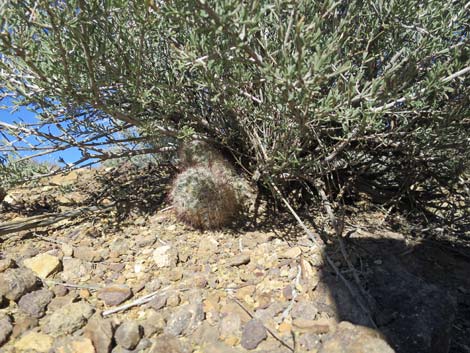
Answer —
205 197
365 96
14 171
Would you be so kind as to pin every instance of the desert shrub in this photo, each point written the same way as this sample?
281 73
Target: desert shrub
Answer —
367 96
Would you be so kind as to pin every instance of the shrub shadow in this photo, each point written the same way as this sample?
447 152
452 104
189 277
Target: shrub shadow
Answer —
418 294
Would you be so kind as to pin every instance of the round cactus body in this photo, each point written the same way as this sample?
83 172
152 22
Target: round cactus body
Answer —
204 197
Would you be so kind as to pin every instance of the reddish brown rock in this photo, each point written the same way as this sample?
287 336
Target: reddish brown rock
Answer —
114 294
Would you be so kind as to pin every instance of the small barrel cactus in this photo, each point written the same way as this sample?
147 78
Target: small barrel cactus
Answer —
3 193
199 153
205 196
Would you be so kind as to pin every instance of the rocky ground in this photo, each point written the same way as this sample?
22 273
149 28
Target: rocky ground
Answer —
151 284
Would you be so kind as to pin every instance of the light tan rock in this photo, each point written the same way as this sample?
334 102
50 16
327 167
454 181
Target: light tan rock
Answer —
292 253
349 338
43 265
320 326
164 256
76 345
35 342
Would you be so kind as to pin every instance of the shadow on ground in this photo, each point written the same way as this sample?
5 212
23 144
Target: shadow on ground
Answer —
418 295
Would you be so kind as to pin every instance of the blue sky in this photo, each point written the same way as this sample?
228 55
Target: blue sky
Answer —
26 116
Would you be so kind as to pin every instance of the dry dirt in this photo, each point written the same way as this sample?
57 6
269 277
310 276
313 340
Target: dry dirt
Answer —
264 289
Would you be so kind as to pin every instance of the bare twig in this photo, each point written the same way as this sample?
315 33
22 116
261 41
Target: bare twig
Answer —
338 226
143 300
48 239
286 312
311 236
47 219
271 332
71 285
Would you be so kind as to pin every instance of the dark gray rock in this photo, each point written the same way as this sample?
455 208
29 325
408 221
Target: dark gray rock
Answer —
253 333
6 328
15 282
143 345
178 322
35 303
159 301
185 320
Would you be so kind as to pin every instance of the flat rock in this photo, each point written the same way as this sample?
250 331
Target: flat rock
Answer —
87 253
35 303
75 345
239 260
304 310
159 301
100 332
320 326
114 294
34 342
43 265
291 253
208 244
15 282
164 256
167 344
60 290
59 302
230 328
128 335
253 333
67 319
75 269
349 338
6 328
